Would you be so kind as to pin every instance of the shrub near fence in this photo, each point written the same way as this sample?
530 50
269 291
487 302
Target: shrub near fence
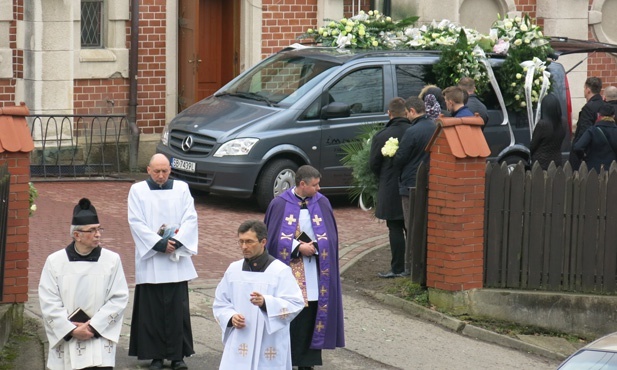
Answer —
552 230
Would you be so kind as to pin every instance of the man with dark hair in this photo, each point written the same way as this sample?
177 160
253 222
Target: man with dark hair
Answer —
473 102
302 233
163 223
254 304
381 161
83 324
588 115
412 150
455 102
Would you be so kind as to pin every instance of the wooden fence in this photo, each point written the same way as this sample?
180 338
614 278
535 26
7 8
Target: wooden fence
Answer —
552 230
5 184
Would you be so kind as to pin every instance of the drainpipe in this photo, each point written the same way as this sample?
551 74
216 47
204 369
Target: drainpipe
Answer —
133 63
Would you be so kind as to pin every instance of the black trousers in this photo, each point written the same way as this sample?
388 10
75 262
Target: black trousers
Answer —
396 234
301 331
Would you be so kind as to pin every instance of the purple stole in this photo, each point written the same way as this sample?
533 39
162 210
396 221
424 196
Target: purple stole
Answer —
288 230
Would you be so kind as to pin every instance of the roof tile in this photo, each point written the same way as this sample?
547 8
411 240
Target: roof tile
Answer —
464 136
14 133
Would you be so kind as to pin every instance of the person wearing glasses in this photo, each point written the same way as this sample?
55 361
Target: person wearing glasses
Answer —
254 304
83 294
302 233
163 223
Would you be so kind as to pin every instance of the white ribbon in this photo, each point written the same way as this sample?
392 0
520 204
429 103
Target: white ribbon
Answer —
531 66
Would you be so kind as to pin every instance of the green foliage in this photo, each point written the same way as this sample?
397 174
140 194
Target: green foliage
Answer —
33 194
357 154
404 288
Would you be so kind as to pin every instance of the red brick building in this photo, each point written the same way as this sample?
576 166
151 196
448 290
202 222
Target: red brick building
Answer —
75 57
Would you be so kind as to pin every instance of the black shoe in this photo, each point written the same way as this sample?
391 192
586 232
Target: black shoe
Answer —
156 364
388 275
178 365
305 368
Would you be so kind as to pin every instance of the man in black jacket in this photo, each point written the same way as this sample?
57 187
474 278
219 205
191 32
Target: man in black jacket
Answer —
388 200
588 115
412 149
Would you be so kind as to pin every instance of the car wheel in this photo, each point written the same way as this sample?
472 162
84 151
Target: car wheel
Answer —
512 161
276 177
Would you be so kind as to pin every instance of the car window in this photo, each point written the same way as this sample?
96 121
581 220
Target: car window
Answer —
410 79
362 89
590 359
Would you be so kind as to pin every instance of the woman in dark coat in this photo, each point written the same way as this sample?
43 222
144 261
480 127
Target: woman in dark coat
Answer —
598 145
548 135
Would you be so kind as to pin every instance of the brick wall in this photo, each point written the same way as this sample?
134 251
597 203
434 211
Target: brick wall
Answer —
16 254
284 21
101 96
455 233
7 86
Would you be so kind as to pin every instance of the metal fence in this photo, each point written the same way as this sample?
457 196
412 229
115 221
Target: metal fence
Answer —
551 230
79 145
5 185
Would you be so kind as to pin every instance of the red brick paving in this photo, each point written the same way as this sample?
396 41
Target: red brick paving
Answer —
218 219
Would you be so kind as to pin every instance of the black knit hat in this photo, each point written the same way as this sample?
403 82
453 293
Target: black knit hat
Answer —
606 110
84 213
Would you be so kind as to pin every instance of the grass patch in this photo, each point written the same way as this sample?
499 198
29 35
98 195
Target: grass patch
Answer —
404 288
15 344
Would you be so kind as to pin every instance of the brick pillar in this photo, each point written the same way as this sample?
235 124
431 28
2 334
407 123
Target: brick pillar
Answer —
455 235
15 147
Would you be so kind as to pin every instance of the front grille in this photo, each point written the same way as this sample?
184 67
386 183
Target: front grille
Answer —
192 178
202 144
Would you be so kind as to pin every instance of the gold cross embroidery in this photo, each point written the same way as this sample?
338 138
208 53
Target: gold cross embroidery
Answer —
316 220
243 350
286 236
290 219
323 308
319 326
324 253
323 291
284 253
325 272
321 236
109 346
284 313
270 353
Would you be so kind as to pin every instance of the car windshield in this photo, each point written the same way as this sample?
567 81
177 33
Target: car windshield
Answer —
280 80
589 359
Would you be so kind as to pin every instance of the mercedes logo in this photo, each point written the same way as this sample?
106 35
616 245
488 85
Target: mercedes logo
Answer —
187 143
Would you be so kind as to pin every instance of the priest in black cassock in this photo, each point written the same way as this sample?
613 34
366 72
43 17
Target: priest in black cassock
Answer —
302 233
163 222
85 278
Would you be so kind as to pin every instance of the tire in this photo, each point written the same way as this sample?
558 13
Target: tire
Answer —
513 160
278 176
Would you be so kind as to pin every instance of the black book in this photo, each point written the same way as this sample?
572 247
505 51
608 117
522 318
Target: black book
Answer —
79 315
304 238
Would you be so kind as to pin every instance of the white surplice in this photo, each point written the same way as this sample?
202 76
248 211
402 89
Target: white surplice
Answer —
147 211
100 289
264 343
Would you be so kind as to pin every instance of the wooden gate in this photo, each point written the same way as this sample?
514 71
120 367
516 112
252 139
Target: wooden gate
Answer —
551 230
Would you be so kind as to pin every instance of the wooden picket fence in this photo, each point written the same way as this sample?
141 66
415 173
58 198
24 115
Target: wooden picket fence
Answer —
552 230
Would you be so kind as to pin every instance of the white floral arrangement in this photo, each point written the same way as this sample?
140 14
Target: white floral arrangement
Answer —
390 147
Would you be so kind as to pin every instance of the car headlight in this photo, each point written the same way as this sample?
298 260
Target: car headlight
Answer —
236 147
165 135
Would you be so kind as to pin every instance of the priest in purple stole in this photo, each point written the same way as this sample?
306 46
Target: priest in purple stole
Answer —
302 233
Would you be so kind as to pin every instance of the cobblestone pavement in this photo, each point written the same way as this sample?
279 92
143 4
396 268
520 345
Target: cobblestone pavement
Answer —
218 218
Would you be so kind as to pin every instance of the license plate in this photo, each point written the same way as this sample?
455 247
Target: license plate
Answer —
180 164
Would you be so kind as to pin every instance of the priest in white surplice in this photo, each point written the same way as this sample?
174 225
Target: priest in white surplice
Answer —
86 276
163 223
254 305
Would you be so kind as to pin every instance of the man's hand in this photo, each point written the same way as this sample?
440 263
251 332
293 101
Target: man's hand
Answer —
171 246
237 321
257 299
307 249
82 331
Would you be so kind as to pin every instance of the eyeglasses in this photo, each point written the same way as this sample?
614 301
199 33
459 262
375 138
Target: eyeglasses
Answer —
248 243
94 230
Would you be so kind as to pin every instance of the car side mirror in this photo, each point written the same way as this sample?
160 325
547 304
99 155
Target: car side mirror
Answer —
336 110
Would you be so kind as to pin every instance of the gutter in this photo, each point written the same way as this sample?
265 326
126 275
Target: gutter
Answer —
133 63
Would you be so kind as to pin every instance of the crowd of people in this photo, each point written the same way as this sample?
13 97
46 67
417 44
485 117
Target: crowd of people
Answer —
281 304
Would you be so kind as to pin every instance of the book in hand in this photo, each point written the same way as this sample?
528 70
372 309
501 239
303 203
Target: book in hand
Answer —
303 237
79 315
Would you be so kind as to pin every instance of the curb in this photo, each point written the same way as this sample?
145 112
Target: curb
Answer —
460 326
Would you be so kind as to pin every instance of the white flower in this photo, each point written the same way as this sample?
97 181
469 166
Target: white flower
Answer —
390 147
343 40
517 42
348 28
523 27
508 25
33 207
310 30
523 104
375 43
517 97
527 41
513 84
388 19
519 76
370 12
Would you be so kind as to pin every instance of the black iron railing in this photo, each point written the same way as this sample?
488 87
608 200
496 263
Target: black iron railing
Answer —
79 145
